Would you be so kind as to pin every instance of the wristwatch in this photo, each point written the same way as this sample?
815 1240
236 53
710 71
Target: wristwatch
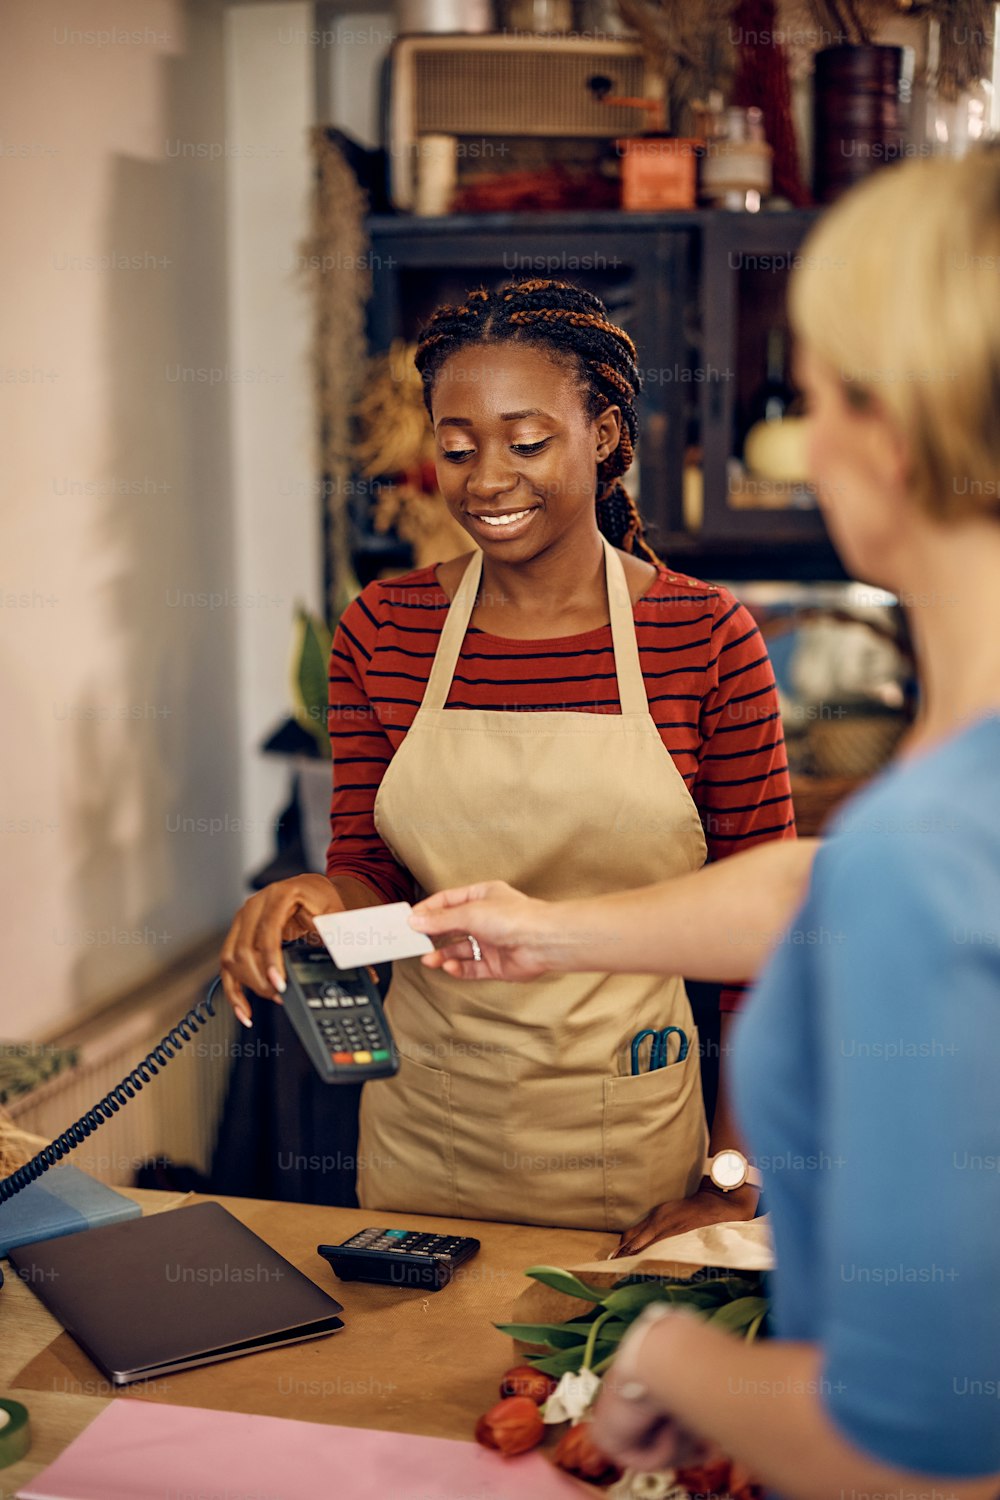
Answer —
730 1169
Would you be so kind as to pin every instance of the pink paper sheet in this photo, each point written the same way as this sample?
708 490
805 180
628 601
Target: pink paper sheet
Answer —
142 1450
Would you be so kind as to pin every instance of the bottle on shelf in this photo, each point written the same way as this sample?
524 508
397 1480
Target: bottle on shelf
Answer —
771 401
773 447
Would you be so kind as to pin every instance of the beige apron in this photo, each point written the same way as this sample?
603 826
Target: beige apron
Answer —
514 1101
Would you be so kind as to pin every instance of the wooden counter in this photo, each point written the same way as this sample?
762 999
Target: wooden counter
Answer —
405 1360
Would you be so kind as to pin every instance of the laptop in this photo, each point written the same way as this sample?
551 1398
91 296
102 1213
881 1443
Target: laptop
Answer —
180 1288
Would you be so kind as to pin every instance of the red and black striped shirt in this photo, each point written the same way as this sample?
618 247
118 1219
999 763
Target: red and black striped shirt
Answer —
709 683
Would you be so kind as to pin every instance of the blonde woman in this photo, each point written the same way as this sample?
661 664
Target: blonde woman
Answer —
866 1063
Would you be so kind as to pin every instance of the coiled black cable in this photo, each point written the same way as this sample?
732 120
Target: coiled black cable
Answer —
165 1049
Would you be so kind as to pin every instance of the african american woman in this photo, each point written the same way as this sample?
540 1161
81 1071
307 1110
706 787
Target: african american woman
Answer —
560 710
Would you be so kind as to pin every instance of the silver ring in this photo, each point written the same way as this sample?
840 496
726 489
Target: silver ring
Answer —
632 1390
477 952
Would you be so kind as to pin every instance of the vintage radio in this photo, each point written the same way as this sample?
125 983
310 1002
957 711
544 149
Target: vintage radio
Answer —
485 90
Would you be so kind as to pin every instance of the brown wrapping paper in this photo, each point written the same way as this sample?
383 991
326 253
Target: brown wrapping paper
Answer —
742 1245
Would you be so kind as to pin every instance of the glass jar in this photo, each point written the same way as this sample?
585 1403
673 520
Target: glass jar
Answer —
539 16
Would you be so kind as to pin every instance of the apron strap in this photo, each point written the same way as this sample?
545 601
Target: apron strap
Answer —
452 635
631 686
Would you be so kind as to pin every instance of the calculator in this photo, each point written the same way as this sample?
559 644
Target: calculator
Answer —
400 1257
337 1015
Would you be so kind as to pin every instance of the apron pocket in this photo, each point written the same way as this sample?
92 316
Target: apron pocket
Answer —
655 1138
407 1144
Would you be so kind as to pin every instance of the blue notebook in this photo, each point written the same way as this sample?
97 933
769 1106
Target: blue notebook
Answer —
63 1200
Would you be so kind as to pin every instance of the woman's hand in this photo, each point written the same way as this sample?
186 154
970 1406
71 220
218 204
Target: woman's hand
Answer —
634 1434
510 928
638 1433
631 1423
707 1206
251 953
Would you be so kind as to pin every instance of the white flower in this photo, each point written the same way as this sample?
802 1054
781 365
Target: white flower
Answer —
634 1485
571 1397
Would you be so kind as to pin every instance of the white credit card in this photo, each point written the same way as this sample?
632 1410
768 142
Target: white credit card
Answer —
371 935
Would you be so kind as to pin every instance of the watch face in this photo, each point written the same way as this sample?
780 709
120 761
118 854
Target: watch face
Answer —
729 1169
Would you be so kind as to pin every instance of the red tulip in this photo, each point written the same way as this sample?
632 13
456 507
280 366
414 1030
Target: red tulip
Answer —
577 1452
741 1486
524 1380
513 1426
709 1477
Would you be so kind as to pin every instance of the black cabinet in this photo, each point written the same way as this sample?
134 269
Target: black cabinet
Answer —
745 263
698 293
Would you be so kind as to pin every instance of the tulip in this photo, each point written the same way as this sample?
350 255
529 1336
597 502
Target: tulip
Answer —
577 1452
573 1396
709 1477
525 1380
742 1486
512 1426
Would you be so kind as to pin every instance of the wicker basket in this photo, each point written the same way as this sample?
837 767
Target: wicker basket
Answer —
17 1146
854 739
857 743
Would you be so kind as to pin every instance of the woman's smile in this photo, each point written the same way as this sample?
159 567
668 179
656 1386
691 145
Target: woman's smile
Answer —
503 525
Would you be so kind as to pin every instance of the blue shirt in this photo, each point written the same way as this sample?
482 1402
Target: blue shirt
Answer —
866 1075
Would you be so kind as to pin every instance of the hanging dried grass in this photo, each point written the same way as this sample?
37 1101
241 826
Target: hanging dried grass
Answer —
393 433
848 22
337 268
959 54
964 44
689 44
424 521
394 438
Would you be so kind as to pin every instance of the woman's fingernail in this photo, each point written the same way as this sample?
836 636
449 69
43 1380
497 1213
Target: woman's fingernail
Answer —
276 980
244 1016
415 921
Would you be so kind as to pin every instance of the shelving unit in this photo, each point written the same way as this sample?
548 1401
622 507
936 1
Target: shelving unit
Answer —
695 291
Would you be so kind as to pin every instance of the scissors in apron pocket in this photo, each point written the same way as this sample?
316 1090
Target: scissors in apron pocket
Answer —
658 1050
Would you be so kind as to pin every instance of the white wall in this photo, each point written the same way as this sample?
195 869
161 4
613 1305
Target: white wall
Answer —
270 110
155 411
352 47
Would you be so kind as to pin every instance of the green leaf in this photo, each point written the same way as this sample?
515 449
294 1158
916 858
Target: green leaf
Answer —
561 1363
614 1330
703 1298
737 1316
630 1300
696 1294
569 1359
564 1281
310 673
743 1286
553 1335
754 1327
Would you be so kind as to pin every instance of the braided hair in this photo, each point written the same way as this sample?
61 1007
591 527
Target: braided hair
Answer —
564 320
